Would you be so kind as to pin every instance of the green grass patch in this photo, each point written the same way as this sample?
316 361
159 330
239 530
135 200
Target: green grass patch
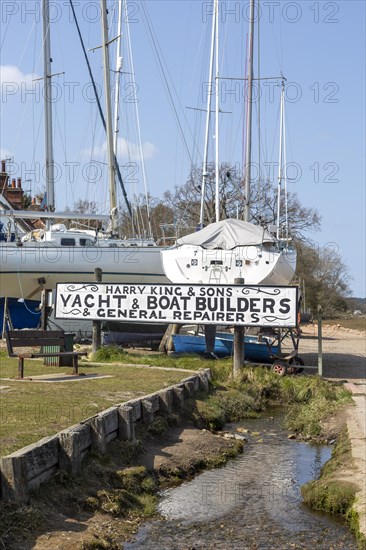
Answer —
221 368
31 410
225 405
334 497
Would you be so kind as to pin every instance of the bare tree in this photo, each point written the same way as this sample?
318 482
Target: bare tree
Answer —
151 213
185 200
84 207
326 277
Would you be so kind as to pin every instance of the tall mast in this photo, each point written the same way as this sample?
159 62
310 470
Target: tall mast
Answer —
217 171
50 181
108 110
119 64
248 137
137 117
280 161
208 115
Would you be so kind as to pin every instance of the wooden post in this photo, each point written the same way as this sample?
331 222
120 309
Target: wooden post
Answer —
320 342
5 317
238 361
166 343
96 335
21 367
210 336
44 309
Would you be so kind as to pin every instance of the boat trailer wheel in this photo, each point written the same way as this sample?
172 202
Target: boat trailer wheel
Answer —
297 363
280 368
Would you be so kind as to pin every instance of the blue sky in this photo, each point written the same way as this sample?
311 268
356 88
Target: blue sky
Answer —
319 46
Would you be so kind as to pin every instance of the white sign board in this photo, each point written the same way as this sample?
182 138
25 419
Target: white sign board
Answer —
198 304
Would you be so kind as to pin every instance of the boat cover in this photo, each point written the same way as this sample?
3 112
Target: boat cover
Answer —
228 234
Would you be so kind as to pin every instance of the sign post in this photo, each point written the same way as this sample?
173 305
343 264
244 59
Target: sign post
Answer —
320 342
97 332
238 343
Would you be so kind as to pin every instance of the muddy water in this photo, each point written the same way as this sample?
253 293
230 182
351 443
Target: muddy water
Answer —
254 502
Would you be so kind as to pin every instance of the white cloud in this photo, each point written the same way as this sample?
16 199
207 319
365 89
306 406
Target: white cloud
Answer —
12 73
126 151
14 81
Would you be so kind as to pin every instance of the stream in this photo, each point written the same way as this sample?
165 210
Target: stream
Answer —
254 502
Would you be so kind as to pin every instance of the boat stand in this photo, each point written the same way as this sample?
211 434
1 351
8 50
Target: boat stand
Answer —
7 322
287 363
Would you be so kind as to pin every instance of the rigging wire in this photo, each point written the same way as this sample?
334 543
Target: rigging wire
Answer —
99 106
259 97
285 172
142 158
33 102
164 72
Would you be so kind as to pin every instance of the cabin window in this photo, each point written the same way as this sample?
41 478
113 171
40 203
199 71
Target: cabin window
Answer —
67 241
86 242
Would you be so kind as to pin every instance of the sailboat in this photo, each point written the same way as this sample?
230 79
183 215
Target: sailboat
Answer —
229 249
43 258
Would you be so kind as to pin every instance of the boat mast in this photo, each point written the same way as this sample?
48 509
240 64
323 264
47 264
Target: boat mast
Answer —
50 181
119 64
217 171
248 136
107 92
208 115
280 161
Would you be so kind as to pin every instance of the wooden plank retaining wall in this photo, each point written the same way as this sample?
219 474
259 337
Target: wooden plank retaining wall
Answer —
27 468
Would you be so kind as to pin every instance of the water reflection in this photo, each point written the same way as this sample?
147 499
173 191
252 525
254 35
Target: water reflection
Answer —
265 476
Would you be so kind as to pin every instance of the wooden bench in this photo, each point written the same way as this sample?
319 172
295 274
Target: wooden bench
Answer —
39 338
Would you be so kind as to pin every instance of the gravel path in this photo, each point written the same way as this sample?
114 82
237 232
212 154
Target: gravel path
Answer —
344 351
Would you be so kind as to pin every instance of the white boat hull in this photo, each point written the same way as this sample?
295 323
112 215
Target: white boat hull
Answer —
23 268
255 264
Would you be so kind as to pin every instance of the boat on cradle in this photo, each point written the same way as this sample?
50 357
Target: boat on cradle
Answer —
258 351
226 250
230 249
61 255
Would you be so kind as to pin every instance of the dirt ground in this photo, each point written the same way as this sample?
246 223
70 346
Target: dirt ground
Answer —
344 351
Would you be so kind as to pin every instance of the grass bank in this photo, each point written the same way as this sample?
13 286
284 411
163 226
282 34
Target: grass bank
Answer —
330 493
309 402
